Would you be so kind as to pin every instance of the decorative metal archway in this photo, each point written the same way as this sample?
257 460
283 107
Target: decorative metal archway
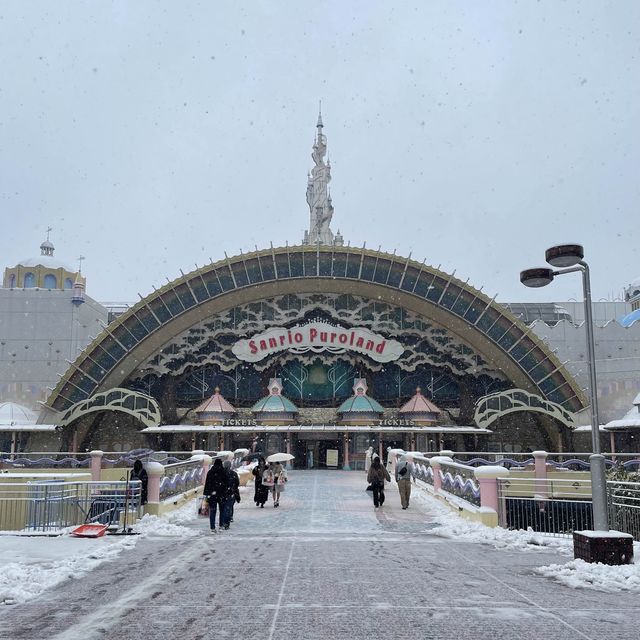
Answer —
464 311
136 404
491 407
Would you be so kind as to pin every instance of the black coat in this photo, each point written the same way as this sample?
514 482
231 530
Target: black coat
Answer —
217 484
144 482
261 493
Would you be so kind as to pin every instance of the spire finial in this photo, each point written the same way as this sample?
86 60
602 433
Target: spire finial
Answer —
49 230
80 259
318 198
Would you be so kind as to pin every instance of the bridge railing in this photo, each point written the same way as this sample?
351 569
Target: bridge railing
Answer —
180 477
474 490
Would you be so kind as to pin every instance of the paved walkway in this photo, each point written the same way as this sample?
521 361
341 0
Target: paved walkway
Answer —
323 565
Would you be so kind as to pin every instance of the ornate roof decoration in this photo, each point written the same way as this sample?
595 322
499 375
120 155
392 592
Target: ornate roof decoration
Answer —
360 402
275 402
216 404
420 404
495 405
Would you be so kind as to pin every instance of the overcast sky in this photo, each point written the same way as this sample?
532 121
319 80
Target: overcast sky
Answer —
155 135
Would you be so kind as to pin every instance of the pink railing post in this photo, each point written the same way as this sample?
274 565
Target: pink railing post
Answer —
96 465
205 460
540 473
345 461
436 462
155 471
488 479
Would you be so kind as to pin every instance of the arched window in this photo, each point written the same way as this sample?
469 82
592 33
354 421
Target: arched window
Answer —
50 281
68 283
29 280
12 281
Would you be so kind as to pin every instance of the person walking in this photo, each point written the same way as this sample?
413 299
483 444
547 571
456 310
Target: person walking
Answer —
403 478
376 477
215 491
233 493
261 493
279 480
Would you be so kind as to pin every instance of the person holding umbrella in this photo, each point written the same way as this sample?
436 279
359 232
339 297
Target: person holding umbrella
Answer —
279 474
279 480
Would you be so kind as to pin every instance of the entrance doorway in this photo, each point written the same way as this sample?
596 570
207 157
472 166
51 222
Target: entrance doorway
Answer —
318 453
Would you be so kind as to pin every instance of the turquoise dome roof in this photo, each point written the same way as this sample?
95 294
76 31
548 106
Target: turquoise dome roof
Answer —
275 403
360 404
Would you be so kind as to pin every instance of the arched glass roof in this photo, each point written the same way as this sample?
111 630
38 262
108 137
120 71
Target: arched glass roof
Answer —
152 322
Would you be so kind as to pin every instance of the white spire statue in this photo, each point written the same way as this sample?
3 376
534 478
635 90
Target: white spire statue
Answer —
318 198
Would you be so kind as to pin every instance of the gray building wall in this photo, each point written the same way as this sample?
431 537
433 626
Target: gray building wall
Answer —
617 360
40 331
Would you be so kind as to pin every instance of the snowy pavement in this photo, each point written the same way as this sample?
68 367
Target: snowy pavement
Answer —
323 565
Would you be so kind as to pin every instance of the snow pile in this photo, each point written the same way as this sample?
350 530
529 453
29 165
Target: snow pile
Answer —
579 574
42 566
171 525
30 565
451 525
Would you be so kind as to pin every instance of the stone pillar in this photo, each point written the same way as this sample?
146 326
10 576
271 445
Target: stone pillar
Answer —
488 480
540 472
206 465
612 442
380 452
155 471
96 465
345 461
288 442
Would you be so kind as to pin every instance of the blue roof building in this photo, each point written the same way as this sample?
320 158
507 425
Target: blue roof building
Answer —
359 408
275 408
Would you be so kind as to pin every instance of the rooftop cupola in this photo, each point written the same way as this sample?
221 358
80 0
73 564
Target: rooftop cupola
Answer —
47 248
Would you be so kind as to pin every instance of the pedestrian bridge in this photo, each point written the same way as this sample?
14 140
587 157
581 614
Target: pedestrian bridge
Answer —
325 565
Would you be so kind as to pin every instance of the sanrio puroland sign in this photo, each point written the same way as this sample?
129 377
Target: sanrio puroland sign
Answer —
317 337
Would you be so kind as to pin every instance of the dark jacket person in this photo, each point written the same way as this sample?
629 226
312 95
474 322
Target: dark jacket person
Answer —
376 477
216 492
138 473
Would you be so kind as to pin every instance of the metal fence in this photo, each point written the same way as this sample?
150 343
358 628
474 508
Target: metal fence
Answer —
624 507
556 507
54 504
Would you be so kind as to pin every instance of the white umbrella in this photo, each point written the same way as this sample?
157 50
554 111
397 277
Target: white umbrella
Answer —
280 457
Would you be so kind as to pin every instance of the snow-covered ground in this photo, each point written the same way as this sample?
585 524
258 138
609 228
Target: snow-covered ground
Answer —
575 573
30 565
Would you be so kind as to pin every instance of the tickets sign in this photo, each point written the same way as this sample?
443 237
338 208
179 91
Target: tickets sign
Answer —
317 337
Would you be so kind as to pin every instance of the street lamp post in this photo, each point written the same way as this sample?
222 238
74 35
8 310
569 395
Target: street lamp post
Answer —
570 258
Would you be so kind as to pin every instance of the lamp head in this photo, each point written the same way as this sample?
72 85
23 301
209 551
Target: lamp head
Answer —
564 255
537 277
